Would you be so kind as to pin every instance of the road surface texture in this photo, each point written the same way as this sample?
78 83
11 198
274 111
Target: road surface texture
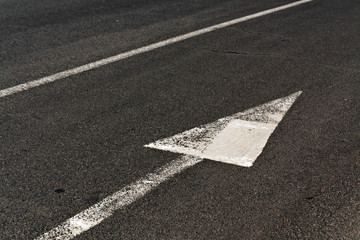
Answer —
67 145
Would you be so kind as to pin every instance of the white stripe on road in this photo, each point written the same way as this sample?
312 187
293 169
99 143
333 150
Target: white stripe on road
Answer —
105 61
129 194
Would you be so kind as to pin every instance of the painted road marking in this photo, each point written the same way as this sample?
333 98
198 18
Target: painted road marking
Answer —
255 124
237 139
129 194
121 56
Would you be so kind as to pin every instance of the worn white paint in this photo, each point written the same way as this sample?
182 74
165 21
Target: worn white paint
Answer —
127 195
238 139
105 61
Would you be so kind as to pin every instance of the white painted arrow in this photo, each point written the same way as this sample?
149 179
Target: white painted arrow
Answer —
237 139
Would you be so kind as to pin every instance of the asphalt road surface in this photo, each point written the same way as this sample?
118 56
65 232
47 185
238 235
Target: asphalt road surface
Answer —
66 145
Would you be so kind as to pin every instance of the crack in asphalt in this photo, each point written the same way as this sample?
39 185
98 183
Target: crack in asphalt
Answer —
242 53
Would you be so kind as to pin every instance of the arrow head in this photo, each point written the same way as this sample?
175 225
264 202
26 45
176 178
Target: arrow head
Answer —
237 139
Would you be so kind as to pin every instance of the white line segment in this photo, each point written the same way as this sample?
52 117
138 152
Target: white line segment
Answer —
129 194
105 61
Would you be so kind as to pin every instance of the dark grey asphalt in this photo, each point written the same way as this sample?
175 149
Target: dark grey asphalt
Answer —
69 144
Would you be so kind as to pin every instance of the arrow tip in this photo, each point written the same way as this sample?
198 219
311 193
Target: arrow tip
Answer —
237 139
